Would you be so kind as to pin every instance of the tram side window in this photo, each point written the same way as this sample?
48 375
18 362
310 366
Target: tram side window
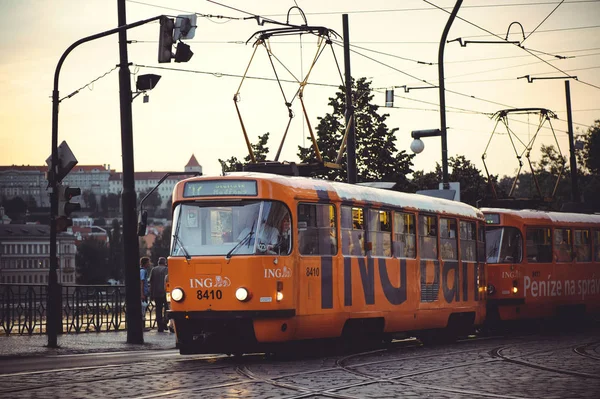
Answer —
428 237
481 242
539 245
583 250
562 245
596 245
380 232
468 241
448 238
352 231
317 229
404 235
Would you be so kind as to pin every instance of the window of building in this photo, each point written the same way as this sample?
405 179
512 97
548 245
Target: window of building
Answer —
380 232
317 231
404 235
468 241
352 227
448 239
539 245
563 251
428 237
582 242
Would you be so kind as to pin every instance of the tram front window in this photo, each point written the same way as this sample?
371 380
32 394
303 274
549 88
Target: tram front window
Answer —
503 245
230 228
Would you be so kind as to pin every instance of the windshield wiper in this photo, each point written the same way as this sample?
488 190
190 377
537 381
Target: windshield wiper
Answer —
247 238
178 241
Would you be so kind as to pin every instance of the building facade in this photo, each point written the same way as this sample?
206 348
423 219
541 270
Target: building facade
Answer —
29 182
25 255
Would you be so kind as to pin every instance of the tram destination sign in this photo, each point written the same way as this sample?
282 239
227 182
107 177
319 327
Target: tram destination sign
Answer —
492 218
219 188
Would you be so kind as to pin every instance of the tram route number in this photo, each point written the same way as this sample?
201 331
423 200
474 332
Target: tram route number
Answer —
209 294
312 271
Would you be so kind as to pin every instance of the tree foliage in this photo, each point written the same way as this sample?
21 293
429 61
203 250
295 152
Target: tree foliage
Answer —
377 158
162 244
91 262
473 185
590 155
259 149
116 251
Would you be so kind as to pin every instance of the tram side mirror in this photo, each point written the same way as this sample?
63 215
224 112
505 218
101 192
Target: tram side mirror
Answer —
142 223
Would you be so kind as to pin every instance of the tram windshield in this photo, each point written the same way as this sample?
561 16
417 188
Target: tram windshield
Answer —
503 245
230 228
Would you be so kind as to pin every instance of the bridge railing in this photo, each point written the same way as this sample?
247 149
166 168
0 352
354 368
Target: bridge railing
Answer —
85 308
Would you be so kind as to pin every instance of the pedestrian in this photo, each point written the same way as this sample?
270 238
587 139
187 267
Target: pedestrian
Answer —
158 293
144 288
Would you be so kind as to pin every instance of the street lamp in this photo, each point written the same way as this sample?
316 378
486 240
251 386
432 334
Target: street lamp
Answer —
417 146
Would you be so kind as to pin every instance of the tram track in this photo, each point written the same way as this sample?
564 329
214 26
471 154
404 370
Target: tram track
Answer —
582 350
497 353
240 374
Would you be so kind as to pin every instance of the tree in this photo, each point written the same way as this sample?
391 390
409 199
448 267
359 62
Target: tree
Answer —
473 185
15 208
377 158
92 201
590 155
153 202
116 251
162 244
259 149
91 262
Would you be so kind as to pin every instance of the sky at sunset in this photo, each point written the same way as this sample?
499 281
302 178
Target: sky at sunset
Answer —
394 43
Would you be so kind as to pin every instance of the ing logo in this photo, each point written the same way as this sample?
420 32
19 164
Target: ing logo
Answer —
283 272
210 282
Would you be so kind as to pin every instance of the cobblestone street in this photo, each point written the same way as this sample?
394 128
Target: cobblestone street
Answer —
549 366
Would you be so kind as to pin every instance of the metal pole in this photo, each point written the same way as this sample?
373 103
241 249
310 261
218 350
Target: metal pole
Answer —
51 314
443 128
351 147
135 330
573 160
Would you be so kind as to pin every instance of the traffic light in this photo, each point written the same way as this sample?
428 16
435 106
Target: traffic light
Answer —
165 39
169 32
65 207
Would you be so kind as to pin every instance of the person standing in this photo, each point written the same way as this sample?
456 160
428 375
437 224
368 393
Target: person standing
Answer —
158 293
144 289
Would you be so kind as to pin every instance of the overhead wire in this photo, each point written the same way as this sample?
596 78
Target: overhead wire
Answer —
518 45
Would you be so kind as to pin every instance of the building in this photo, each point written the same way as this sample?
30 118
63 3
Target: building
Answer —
25 254
29 182
26 182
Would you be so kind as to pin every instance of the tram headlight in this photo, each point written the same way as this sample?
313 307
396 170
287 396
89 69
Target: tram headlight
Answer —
177 294
491 289
242 294
279 296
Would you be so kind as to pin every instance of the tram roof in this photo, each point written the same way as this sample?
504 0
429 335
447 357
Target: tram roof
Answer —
558 217
359 193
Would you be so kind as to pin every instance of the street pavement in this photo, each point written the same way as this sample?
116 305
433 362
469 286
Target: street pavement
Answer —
112 341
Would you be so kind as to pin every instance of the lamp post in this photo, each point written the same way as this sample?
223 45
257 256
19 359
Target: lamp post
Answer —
417 146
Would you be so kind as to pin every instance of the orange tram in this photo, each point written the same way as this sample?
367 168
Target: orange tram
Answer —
542 264
259 260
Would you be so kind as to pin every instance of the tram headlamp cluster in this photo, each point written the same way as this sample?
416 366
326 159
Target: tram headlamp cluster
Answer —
514 288
242 294
177 295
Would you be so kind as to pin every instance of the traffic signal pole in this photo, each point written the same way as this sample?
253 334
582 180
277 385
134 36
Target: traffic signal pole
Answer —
135 329
53 315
